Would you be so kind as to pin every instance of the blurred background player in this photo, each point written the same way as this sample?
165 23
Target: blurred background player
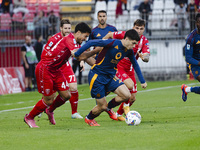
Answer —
102 28
125 71
49 76
192 56
102 78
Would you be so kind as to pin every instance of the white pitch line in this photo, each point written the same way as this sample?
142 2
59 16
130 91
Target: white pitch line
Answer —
155 89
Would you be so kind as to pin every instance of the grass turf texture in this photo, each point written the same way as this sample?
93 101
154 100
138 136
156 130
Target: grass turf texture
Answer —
167 122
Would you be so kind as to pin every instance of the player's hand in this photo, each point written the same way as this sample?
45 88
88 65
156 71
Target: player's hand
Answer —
144 85
74 51
27 66
82 65
144 57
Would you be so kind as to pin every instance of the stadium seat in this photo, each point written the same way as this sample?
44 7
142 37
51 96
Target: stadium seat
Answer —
158 5
156 20
110 16
55 7
43 7
31 1
28 19
168 17
100 5
112 5
43 1
17 17
134 14
169 4
31 8
5 22
54 1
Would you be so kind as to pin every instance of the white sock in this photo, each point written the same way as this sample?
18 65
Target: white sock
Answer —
126 104
188 89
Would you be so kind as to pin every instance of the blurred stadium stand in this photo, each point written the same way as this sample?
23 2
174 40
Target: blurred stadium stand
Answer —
166 60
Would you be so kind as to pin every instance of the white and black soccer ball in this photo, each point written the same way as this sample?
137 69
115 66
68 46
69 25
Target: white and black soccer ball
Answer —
133 118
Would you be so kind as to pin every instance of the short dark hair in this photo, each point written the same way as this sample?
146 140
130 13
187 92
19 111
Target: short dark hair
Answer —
101 11
197 16
83 28
132 35
139 22
64 21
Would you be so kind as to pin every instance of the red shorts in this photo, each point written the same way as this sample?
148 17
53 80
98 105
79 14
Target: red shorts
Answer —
50 80
124 74
68 73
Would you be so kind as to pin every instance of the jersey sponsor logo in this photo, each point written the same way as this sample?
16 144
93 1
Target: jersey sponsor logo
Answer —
198 42
74 41
98 35
50 44
188 46
147 44
48 47
116 47
119 32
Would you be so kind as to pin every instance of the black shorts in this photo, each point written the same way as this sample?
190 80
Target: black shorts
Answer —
30 72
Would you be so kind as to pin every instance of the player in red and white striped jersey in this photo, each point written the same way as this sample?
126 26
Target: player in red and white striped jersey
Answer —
125 71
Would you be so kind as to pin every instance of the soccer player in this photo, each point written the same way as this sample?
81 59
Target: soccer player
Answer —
102 77
102 28
192 56
49 76
124 68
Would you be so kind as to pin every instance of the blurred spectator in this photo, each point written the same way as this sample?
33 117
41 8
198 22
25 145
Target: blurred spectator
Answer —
192 10
119 10
102 0
41 25
48 37
29 60
197 2
6 6
145 11
125 4
19 6
38 47
180 10
177 2
75 65
52 23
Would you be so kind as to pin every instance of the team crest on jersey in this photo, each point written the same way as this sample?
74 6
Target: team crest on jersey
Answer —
48 47
198 42
50 44
119 32
98 35
118 55
47 91
196 72
188 46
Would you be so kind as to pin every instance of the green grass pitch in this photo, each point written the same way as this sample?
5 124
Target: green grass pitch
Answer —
167 122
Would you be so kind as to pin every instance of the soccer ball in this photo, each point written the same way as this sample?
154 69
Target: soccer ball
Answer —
133 118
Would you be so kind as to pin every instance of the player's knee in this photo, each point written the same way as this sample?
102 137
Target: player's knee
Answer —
132 98
130 86
126 96
66 96
104 107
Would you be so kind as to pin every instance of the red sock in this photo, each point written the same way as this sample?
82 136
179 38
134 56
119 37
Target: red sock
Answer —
120 111
56 103
37 109
74 101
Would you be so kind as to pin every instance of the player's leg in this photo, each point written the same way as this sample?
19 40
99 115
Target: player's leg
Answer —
96 111
185 89
71 79
74 101
45 87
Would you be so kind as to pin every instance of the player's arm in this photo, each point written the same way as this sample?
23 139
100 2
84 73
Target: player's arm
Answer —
90 61
87 54
189 54
109 35
23 54
101 43
137 70
144 56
